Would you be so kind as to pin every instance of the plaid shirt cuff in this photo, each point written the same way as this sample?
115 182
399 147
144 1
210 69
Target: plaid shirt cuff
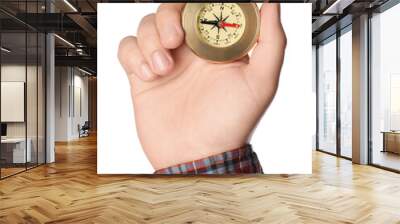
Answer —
237 161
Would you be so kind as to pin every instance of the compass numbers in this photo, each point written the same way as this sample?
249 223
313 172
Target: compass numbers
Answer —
221 24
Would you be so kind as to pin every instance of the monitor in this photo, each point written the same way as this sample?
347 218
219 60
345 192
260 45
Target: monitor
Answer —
3 129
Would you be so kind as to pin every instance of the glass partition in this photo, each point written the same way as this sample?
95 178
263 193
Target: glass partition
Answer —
41 107
327 96
14 153
385 89
22 101
31 100
346 93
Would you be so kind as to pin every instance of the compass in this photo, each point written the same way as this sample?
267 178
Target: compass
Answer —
221 32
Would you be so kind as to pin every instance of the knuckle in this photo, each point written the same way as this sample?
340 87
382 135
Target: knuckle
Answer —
145 20
161 8
144 28
123 44
161 17
281 38
125 41
284 40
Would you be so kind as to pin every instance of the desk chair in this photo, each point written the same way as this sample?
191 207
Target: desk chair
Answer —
84 130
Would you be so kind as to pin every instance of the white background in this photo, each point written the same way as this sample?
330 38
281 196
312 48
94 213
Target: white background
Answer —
283 139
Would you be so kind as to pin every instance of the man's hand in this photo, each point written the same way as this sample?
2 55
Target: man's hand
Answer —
187 108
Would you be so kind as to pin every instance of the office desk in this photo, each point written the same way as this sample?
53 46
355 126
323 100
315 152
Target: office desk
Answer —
391 141
13 150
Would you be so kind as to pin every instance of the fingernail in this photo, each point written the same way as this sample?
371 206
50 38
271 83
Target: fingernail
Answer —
146 72
160 61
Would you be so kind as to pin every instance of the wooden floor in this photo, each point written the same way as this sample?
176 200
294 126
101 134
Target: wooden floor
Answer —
8 171
387 159
69 191
5 172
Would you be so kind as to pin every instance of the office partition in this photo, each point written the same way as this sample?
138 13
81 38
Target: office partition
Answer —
327 95
345 94
334 100
385 89
22 77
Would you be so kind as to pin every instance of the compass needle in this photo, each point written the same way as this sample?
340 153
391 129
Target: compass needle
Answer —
216 16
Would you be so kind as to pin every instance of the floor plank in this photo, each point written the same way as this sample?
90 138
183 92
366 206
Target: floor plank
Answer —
70 191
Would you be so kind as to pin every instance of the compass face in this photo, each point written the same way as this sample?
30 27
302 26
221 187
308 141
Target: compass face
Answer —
221 24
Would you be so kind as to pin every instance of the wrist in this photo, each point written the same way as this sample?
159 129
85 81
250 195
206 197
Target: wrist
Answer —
166 153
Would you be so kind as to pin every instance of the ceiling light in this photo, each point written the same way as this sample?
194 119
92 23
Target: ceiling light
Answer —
64 40
70 5
84 71
80 51
5 50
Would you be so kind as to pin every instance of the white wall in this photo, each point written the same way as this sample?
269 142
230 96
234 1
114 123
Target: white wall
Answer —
62 81
33 127
12 101
80 83
12 73
69 82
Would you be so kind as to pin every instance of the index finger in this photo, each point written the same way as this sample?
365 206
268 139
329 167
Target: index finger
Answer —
168 19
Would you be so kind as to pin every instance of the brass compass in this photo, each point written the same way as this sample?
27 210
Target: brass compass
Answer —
221 32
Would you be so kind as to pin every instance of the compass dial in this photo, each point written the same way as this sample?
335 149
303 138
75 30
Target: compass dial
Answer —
221 24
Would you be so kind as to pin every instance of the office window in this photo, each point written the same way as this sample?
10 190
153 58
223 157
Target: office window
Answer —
327 96
346 93
385 89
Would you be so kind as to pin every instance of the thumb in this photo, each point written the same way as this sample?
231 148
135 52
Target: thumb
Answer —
267 57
